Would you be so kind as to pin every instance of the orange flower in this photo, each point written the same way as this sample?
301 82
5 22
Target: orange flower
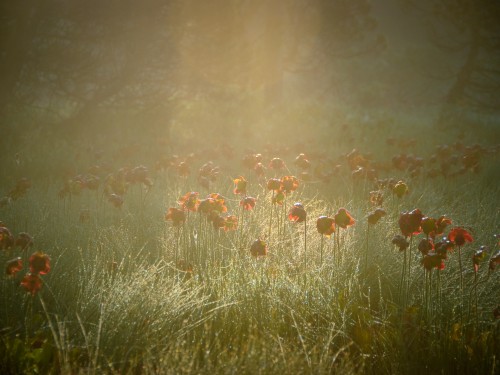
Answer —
460 236
189 201
14 266
227 223
400 189
251 160
258 248
32 283
376 215
220 205
297 213
325 225
343 218
177 216
277 164
289 184
240 185
248 203
205 206
39 263
274 184
230 223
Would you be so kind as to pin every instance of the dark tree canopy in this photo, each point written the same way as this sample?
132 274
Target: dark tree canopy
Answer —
73 61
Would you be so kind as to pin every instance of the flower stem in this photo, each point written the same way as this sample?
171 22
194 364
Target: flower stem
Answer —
305 243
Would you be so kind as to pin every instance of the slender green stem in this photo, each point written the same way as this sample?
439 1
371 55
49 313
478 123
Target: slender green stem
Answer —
305 243
408 279
270 219
321 250
461 285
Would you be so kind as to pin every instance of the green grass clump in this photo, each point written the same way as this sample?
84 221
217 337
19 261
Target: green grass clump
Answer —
129 292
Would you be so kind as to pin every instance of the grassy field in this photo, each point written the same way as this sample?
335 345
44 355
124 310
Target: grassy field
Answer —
131 291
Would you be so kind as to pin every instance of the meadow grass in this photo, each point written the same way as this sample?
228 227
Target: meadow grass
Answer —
115 301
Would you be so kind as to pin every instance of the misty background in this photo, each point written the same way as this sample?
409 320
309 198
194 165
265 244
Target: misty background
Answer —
237 67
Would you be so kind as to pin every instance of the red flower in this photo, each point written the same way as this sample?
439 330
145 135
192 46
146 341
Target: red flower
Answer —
410 222
240 185
189 201
176 216
441 223
248 203
432 260
429 225
460 236
297 213
425 246
39 263
289 184
343 218
258 248
325 225
32 283
14 266
443 247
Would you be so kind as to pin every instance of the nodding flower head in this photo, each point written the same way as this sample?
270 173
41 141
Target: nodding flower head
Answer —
343 218
297 213
325 225
460 236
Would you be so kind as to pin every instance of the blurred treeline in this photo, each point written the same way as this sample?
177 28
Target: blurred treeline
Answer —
233 65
